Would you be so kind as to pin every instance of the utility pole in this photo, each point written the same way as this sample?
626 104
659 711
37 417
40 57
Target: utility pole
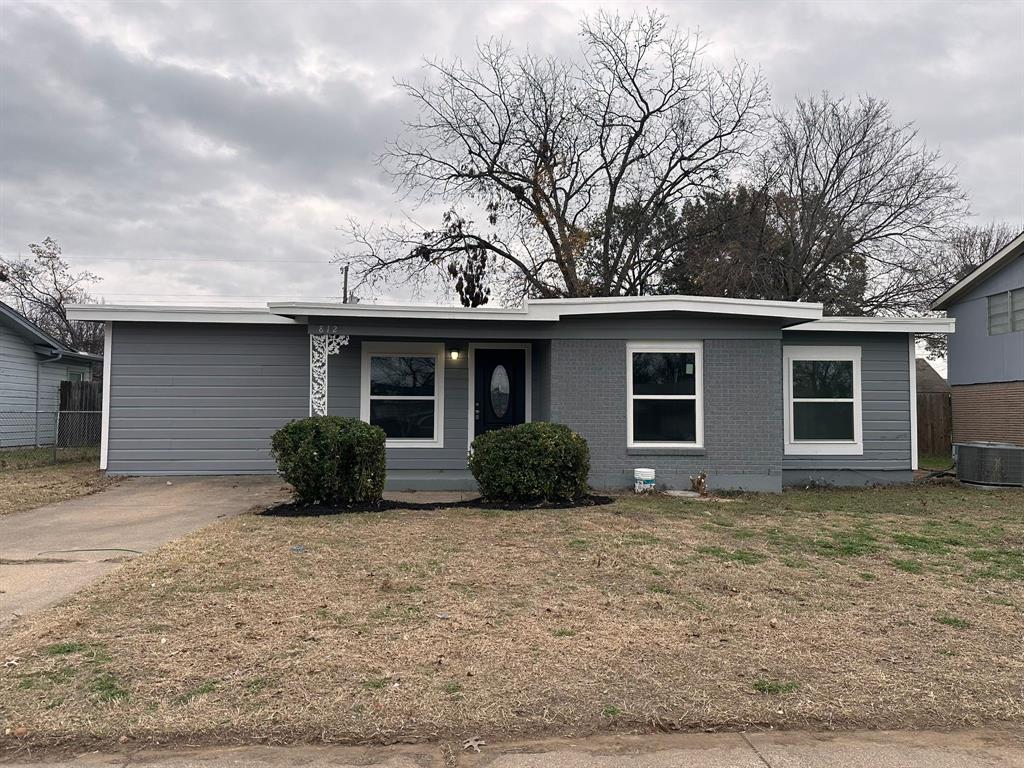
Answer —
344 286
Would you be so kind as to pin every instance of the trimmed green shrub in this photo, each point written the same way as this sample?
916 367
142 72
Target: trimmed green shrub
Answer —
531 462
331 460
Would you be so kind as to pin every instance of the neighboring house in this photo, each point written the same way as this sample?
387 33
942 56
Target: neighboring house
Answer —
32 365
986 355
756 393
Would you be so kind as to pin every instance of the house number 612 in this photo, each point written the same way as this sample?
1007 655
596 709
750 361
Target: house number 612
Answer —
330 330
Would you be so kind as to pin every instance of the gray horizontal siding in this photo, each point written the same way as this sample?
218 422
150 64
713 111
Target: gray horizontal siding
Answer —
885 403
17 372
27 386
203 398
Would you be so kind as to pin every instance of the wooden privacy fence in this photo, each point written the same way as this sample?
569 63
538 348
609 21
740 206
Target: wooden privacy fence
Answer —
81 395
935 423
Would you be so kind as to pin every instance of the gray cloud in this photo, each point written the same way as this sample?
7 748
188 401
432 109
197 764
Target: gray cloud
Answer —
212 148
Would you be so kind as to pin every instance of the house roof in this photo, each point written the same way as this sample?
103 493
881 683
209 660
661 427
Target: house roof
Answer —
797 315
1010 252
540 310
40 338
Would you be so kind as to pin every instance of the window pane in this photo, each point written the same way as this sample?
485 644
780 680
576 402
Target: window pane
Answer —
501 391
1017 303
823 421
401 376
404 418
664 373
664 421
998 313
823 378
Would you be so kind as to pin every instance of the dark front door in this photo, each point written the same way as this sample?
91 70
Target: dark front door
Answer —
499 377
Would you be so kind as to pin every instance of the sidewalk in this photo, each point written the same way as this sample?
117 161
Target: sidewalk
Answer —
874 749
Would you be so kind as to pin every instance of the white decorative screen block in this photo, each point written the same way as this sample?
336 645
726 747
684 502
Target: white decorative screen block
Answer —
320 346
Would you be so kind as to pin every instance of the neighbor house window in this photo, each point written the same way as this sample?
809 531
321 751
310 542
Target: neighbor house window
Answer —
403 392
75 376
665 397
999 313
823 400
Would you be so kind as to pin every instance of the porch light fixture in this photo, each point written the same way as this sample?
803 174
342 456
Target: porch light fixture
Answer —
454 354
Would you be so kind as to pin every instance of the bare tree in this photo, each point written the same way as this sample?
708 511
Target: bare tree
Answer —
41 287
547 174
848 183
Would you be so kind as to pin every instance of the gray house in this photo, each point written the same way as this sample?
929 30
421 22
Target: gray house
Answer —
986 356
756 393
32 365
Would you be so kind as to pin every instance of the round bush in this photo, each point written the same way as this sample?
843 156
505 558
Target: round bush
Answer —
331 460
531 462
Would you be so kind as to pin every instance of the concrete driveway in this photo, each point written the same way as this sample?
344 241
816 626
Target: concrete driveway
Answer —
50 552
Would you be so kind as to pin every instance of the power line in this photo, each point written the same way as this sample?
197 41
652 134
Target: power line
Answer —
203 261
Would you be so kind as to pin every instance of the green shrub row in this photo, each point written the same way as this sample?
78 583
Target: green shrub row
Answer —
334 460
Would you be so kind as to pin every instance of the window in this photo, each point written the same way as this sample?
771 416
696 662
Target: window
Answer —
403 392
665 391
75 376
823 405
999 313
1017 309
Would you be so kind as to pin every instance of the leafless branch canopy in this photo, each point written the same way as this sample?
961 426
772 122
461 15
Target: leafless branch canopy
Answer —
41 287
533 162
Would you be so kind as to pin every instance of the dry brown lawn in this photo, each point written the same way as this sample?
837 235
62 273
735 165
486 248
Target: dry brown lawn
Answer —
890 608
28 480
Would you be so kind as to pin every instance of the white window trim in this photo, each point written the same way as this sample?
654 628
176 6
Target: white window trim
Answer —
794 447
697 348
403 349
471 363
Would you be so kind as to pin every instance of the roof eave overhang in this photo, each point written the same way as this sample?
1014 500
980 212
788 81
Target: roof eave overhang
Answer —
1009 252
944 325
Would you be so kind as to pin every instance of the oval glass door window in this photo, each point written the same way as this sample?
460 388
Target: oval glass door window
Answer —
500 388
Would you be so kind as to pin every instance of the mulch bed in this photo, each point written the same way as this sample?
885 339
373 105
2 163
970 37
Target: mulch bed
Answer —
294 509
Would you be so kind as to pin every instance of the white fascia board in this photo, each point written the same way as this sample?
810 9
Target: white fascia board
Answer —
551 310
155 313
1010 251
880 325
395 311
795 310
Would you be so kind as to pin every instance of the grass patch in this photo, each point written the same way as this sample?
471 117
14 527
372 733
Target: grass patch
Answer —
775 687
413 624
106 688
743 556
909 566
63 649
25 486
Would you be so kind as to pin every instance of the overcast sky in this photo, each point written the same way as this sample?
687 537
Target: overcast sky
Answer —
189 149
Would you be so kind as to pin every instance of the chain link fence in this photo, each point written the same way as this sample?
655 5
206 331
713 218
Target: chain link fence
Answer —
33 438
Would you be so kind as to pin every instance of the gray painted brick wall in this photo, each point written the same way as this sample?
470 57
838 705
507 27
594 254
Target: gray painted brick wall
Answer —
742 413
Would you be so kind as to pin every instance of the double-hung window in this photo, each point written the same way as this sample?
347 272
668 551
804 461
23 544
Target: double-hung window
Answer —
403 392
823 400
1006 312
665 394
